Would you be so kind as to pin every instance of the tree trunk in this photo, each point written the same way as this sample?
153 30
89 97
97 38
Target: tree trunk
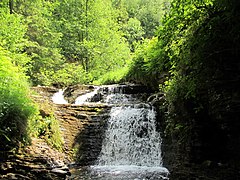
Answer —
87 57
11 6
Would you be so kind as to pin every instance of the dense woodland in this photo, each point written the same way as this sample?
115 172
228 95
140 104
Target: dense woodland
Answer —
187 50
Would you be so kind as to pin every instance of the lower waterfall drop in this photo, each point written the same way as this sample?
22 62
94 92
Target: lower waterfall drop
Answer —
131 138
132 145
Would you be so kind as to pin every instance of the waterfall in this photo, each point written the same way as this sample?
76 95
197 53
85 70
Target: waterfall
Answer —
131 138
83 99
131 144
58 97
131 147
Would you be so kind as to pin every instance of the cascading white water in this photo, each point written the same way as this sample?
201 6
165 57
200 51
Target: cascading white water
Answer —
131 138
131 147
58 97
86 97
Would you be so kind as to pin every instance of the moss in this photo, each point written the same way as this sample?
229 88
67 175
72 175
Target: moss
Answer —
45 125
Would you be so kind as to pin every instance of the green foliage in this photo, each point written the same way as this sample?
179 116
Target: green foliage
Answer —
90 36
133 32
190 41
43 37
113 77
186 66
148 64
70 20
111 50
47 128
16 106
147 12
70 73
171 53
12 32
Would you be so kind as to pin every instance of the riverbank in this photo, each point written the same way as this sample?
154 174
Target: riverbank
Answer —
39 159
36 161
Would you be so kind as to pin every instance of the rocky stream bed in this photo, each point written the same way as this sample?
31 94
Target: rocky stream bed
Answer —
81 127
37 161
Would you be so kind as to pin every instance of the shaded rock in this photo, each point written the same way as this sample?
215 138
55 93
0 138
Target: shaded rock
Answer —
45 91
15 176
72 92
62 171
83 129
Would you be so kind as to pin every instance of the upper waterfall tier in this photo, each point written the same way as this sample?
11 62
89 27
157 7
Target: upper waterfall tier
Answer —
114 94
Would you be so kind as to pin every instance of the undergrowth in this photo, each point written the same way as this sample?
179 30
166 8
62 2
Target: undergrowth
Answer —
113 77
45 125
16 106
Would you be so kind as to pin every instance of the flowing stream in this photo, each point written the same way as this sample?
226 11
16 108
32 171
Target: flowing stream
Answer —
58 97
131 149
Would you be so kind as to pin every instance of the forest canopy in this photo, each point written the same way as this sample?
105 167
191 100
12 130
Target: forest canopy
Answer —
76 41
61 43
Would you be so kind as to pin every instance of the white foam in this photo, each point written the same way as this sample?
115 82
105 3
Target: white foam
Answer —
130 168
84 98
58 97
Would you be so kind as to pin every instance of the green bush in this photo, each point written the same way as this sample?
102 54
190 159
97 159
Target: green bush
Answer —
148 64
48 129
113 77
69 74
16 106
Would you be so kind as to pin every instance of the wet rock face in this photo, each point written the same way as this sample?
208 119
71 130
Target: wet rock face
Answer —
83 130
45 91
72 92
35 161
129 89
82 126
17 167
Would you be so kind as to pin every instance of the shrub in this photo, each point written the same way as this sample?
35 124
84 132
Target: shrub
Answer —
69 74
113 77
48 129
16 107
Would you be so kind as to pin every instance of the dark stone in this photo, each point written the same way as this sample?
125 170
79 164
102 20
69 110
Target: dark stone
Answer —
63 171
44 113
72 92
84 127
